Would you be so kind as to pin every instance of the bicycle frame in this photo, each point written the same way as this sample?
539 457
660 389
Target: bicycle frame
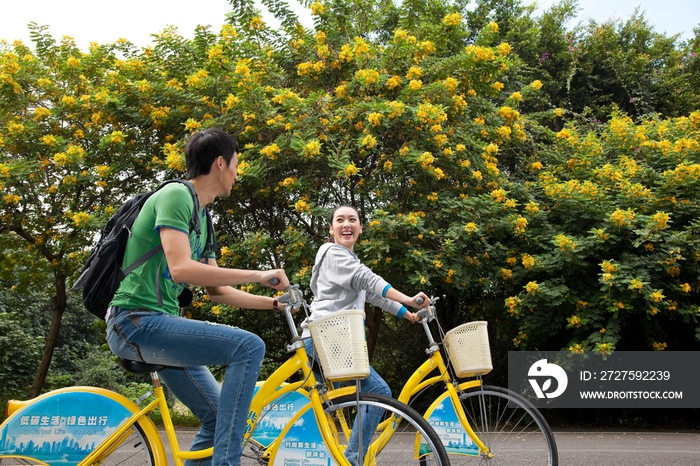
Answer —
419 381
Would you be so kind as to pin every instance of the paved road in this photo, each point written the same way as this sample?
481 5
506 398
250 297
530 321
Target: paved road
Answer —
602 448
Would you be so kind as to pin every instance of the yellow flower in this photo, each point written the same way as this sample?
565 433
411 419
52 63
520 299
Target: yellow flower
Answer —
512 304
257 23
452 19
415 84
470 227
504 49
80 219
659 346
660 220
519 225
311 149
374 118
537 85
369 141
528 261
367 77
499 195
685 287
317 8
621 218
270 151
635 285
12 199
564 242
657 296
576 349
451 84
302 206
574 321
393 82
498 86
41 112
350 170
414 73
192 125
506 273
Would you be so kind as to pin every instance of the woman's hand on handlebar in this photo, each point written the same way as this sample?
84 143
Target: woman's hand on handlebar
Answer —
420 301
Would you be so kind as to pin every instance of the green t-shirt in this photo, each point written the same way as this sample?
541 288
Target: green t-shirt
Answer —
169 207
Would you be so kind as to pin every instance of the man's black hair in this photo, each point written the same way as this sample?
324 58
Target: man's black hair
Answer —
204 147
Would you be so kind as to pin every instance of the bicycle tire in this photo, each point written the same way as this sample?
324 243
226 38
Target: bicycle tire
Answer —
134 449
515 431
400 448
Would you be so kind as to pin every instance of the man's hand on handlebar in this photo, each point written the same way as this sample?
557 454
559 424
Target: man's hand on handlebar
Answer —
277 279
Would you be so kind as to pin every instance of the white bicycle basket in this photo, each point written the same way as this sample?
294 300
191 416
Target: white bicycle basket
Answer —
339 340
468 348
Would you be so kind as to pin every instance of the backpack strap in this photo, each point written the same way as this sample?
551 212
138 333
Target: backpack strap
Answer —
195 225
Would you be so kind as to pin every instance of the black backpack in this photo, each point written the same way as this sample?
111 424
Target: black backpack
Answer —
102 272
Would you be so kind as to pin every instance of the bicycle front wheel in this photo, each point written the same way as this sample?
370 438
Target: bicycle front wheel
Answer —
512 428
403 437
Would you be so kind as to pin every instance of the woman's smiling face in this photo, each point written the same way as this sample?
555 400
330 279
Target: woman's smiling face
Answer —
346 226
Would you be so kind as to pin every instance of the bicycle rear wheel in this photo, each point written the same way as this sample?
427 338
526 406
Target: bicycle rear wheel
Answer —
133 449
394 443
514 430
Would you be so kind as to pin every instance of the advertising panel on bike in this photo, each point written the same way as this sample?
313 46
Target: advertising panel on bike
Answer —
61 429
623 379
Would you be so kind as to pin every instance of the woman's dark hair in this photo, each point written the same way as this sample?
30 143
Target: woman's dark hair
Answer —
203 147
331 240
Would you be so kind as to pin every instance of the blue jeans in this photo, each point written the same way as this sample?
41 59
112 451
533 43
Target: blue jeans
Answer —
187 347
373 383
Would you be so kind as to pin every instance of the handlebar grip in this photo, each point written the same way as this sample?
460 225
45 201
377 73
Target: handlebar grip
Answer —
419 301
274 281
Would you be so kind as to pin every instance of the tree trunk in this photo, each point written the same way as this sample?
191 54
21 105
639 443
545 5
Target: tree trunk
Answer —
59 307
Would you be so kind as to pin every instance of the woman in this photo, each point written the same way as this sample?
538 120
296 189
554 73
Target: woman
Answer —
340 281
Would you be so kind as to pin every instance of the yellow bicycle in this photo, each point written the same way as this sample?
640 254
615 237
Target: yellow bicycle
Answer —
90 425
476 422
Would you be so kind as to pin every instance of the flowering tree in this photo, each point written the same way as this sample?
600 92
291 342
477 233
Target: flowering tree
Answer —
71 146
620 273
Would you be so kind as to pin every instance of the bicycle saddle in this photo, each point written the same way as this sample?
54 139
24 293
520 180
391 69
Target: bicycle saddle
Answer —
138 367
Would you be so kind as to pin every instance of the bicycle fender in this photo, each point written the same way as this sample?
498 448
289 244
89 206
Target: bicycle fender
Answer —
442 417
65 425
301 440
276 415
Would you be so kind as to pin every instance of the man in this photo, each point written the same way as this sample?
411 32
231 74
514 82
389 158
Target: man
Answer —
143 321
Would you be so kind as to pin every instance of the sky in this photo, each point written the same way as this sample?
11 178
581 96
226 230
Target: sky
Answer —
136 20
